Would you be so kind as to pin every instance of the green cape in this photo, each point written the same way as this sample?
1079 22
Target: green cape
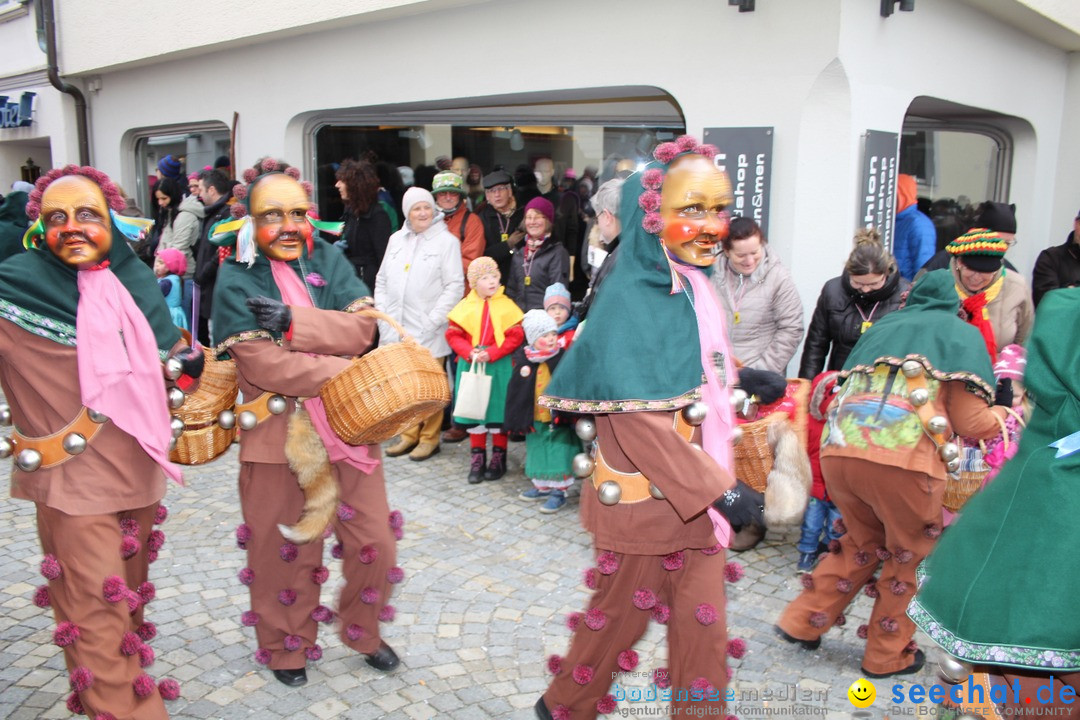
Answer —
40 294
928 330
13 223
1000 586
640 349
233 322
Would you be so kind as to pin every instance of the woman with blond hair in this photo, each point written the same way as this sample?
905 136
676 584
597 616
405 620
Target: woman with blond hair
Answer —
869 288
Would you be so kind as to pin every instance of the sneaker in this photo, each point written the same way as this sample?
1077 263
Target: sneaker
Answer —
807 561
554 502
476 466
534 494
914 667
497 467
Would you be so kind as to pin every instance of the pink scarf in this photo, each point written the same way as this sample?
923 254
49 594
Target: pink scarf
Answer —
293 292
119 367
719 422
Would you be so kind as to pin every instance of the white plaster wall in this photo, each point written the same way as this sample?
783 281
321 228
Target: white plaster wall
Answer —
1066 196
53 126
18 39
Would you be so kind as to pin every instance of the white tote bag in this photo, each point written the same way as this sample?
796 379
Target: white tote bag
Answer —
473 393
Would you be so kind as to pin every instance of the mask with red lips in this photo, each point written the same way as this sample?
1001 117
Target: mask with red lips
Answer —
693 205
279 207
77 223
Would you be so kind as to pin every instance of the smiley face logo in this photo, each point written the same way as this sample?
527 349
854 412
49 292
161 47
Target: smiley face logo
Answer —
861 693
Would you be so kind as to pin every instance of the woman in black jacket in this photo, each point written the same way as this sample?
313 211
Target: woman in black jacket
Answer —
367 225
539 261
869 289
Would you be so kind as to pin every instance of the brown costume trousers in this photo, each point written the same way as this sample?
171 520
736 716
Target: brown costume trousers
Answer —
269 495
87 547
893 517
695 650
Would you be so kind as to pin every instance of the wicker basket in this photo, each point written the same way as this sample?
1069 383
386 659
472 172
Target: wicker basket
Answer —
960 488
753 456
203 439
386 391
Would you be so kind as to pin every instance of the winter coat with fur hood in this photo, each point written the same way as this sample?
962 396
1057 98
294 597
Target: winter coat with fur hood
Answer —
770 323
183 232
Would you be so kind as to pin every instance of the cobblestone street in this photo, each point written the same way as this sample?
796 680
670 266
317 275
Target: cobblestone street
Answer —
488 584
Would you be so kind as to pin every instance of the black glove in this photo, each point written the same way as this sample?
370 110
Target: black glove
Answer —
767 385
742 506
191 361
270 314
1004 394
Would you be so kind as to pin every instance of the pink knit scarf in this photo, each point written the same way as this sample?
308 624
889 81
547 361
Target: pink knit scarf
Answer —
293 292
717 429
119 367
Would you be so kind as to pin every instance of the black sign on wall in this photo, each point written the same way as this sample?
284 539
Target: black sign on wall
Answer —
877 188
746 156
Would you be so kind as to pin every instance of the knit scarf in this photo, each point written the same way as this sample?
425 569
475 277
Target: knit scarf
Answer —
978 315
294 292
538 356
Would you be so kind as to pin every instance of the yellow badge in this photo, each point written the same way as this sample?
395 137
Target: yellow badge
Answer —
865 326
406 267
528 280
738 317
504 237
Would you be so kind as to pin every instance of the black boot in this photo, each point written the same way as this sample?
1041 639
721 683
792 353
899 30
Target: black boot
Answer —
497 468
292 678
476 467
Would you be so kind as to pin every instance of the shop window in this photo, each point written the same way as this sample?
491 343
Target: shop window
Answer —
197 146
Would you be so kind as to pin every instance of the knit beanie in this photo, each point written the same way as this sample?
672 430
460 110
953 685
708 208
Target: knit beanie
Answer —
174 260
557 294
447 182
1011 363
543 206
480 267
997 216
537 323
22 186
169 167
415 195
979 249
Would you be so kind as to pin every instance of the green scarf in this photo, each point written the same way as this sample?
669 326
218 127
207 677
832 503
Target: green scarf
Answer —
640 348
40 294
928 329
328 275
1015 533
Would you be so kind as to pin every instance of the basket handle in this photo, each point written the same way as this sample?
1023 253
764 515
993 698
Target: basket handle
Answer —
1017 416
370 311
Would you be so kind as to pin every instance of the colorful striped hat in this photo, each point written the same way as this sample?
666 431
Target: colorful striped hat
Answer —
980 249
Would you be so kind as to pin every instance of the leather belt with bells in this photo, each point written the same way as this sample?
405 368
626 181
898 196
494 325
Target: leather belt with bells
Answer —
260 408
633 487
59 447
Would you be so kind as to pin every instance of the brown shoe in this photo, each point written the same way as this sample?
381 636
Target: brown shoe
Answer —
401 447
454 435
423 451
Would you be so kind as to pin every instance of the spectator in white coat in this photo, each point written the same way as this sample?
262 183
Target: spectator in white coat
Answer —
418 283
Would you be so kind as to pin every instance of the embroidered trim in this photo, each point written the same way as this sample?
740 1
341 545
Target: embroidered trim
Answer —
40 325
974 383
359 304
618 406
242 337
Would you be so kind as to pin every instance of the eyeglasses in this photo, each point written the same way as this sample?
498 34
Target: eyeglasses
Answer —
871 285
498 189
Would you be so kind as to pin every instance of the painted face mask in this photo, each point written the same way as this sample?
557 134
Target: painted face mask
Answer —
279 207
76 220
694 202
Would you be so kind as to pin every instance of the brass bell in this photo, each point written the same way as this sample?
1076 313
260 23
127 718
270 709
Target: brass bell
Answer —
6 448
609 492
173 368
247 420
953 671
583 466
177 426
953 465
912 368
28 460
655 492
96 416
5 415
73 443
226 419
694 413
585 429
949 451
937 424
176 397
736 435
919 397
276 405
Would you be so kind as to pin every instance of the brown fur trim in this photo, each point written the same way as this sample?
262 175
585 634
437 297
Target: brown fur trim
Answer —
789 480
308 459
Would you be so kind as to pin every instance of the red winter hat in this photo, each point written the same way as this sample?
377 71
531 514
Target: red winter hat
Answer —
542 206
